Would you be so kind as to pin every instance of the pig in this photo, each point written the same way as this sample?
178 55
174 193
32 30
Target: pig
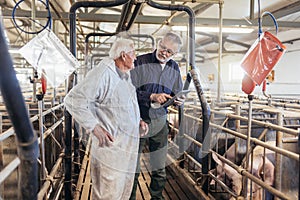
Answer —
259 169
262 168
234 176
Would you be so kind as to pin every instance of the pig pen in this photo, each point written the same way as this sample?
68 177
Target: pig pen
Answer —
250 156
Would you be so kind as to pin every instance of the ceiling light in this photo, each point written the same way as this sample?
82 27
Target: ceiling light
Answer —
215 29
14 51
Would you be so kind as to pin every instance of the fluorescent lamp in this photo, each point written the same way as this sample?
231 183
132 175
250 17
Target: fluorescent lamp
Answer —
215 29
13 51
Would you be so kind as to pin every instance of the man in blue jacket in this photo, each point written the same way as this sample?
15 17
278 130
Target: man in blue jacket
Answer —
157 78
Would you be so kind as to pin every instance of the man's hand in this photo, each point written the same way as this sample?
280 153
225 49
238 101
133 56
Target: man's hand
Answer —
105 139
160 97
143 128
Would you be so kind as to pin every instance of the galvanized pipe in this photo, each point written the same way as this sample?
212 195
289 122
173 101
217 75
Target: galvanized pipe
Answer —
27 141
134 15
4 173
46 186
239 169
253 140
41 141
11 130
278 157
248 150
221 5
53 127
145 36
223 185
124 16
274 102
86 46
238 129
86 4
244 172
253 121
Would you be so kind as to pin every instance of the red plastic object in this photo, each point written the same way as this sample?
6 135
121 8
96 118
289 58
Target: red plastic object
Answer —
44 83
262 57
248 84
264 87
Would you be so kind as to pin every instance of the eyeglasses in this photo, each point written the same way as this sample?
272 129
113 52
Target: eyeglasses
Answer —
132 52
164 48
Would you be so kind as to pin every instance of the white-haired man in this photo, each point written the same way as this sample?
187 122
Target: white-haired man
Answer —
105 103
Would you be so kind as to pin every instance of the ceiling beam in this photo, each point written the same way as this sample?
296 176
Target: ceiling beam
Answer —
151 19
287 10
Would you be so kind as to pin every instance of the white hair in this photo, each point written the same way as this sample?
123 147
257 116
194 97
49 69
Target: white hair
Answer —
119 46
173 37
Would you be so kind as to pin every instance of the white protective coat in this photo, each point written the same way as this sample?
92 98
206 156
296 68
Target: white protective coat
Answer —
107 99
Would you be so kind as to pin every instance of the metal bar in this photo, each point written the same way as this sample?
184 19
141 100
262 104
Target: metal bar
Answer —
257 122
278 157
221 6
9 169
244 172
238 169
126 9
223 185
53 127
27 143
134 15
11 130
45 188
248 149
42 145
253 140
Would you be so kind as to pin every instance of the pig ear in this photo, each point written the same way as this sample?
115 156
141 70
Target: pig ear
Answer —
216 159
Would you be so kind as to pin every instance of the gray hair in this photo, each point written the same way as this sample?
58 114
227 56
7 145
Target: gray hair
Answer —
119 46
173 37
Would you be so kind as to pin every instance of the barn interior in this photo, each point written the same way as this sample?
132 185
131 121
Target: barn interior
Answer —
226 142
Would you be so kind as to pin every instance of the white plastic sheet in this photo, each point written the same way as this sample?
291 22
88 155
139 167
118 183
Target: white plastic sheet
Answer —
46 53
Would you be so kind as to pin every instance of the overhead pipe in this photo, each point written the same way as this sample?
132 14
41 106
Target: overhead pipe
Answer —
86 4
94 35
145 36
68 117
26 139
193 75
124 16
111 34
134 15
86 46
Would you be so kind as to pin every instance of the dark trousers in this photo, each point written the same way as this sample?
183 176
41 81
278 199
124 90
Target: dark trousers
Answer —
157 139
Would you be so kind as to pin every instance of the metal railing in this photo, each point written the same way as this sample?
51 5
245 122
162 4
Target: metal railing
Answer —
219 126
54 178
